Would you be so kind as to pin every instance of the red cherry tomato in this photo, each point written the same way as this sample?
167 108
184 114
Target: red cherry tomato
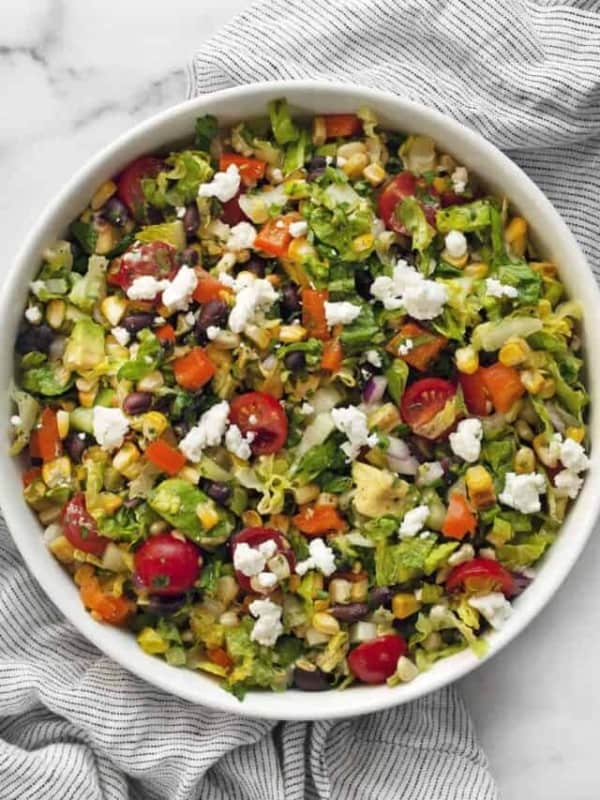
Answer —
80 528
155 258
475 393
422 401
129 183
232 213
166 565
262 414
253 537
481 574
403 185
375 661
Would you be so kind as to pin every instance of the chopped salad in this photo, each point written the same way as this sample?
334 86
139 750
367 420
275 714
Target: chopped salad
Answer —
300 403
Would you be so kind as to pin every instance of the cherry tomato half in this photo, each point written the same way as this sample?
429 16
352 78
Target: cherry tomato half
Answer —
375 661
422 401
253 537
403 185
262 414
80 528
231 212
481 574
166 565
154 258
129 183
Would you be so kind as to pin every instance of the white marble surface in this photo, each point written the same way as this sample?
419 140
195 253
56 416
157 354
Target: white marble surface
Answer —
74 74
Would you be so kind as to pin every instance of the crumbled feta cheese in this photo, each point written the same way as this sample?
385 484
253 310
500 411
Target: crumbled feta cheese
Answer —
253 295
466 440
522 492
459 178
267 627
212 332
178 294
241 237
340 161
494 607
251 561
353 423
429 472
572 456
421 298
297 229
110 426
464 553
456 244
306 409
405 348
121 335
342 313
224 185
180 212
568 482
33 315
266 580
373 358
207 433
238 444
413 522
159 320
15 420
495 288
146 287
321 558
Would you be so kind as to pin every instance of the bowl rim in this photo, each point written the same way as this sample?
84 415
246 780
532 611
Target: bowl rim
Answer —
293 704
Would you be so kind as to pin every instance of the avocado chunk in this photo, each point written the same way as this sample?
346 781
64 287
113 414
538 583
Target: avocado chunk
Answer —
378 492
85 347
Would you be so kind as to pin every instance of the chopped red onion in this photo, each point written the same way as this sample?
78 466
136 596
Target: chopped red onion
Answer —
399 457
374 389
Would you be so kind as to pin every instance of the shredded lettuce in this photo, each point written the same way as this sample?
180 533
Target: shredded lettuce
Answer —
397 378
91 287
205 130
179 184
284 128
526 550
147 359
412 216
520 275
467 218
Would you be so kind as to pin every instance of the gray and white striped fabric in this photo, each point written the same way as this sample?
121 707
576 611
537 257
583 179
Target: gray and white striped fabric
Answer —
526 73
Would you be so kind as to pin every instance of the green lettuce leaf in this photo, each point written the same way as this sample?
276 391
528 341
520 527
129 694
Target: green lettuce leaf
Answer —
469 217
412 216
397 377
526 551
147 359
282 124
91 287
205 130
520 275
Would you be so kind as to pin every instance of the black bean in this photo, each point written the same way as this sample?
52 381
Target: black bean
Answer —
310 680
191 220
316 167
290 301
75 444
214 313
137 402
363 281
38 338
166 605
115 211
189 257
137 322
154 216
380 596
352 612
295 361
219 491
256 265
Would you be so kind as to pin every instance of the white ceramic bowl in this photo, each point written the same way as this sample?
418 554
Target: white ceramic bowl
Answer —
176 125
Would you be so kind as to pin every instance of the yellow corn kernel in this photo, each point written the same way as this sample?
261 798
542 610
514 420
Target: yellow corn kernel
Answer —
515 235
458 262
404 604
280 522
125 458
62 550
514 351
320 605
319 131
259 335
290 334
359 590
544 308
339 590
63 421
467 360
207 515
113 307
480 486
548 389
524 460
109 503
374 174
532 380
325 623
251 519
477 270
363 243
189 474
546 455
440 184
55 313
577 434
56 472
154 424
87 398
546 268
385 418
102 194
294 583
83 574
354 166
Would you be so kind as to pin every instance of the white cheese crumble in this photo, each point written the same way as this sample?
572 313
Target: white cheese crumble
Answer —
405 348
464 553
456 244
212 332
572 456
297 229
321 558
266 580
251 561
495 288
459 178
373 358
522 492
180 212
466 440
253 295
353 423
241 237
413 522
224 185
267 627
207 433
306 409
568 482
121 335
110 426
341 313
429 472
33 315
421 298
146 287
178 294
574 460
237 443
494 607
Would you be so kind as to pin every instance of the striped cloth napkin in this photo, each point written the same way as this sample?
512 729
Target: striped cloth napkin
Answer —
526 73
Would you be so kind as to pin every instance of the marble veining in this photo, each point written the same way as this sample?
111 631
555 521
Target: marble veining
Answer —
74 75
